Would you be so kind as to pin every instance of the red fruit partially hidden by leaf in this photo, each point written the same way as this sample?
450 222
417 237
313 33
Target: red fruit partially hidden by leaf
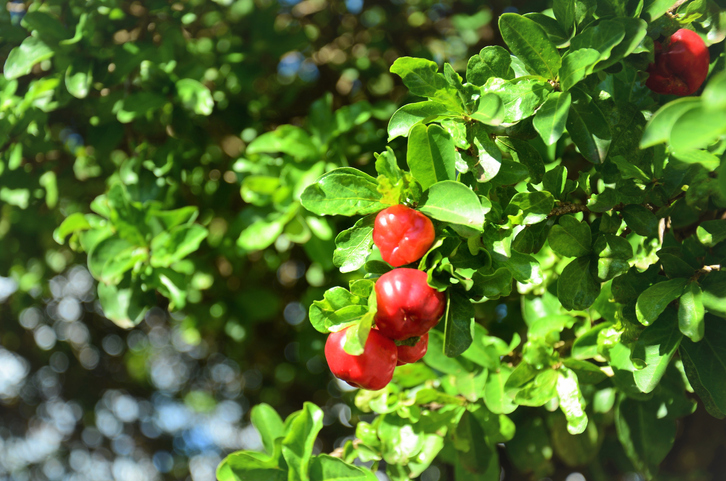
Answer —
403 235
409 354
407 305
371 370
680 66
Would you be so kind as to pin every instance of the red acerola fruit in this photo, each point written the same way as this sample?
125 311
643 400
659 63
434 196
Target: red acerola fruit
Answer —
680 66
409 354
407 305
371 370
403 235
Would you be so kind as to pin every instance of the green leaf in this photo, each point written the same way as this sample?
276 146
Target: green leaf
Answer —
697 129
105 252
343 191
531 448
352 246
495 397
247 466
628 170
576 65
613 254
297 445
551 117
521 98
645 436
422 78
22 58
125 304
453 202
587 372
555 182
655 348
529 42
338 309
570 237
588 128
195 96
713 96
79 78
489 110
269 424
73 223
705 365
691 312
576 287
641 220
328 468
436 358
491 61
653 301
171 246
288 139
488 155
530 207
45 25
357 335
413 114
572 403
711 232
659 127
474 453
459 324
542 389
603 37
564 11
430 155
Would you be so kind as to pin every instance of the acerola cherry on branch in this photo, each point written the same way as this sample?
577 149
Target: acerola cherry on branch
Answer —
371 370
680 66
407 305
409 354
403 235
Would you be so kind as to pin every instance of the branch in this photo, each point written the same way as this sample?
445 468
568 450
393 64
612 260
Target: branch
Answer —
568 208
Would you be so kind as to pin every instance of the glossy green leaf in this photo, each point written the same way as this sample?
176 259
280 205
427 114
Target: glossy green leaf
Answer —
73 223
338 309
529 42
269 424
492 61
495 397
641 220
646 437
570 237
328 468
459 321
705 365
245 466
520 99
22 58
125 304
655 348
489 110
691 312
659 127
653 301
530 207
412 114
343 191
713 96
697 129
430 155
453 202
576 287
588 128
551 118
421 77
297 445
352 246
474 453
577 65
572 403
711 232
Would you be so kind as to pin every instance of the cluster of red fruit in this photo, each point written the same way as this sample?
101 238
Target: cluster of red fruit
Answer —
407 306
681 65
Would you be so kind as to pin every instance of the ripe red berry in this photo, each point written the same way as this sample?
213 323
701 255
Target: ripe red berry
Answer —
681 66
407 305
408 354
371 370
403 235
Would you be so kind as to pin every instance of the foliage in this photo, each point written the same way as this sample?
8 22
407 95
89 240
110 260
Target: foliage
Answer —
550 169
579 229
